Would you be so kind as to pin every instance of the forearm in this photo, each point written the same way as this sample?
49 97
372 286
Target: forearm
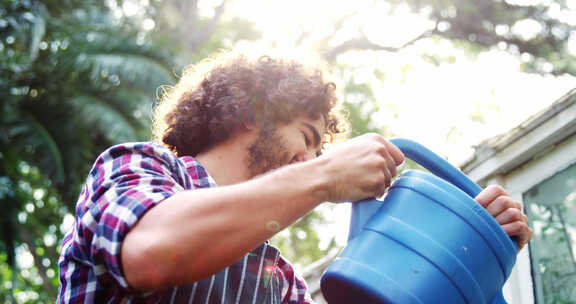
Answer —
194 234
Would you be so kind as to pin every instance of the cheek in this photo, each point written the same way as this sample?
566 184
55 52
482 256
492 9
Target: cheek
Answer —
287 138
293 141
296 144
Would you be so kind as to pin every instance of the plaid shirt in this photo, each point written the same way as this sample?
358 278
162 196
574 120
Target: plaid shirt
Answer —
126 181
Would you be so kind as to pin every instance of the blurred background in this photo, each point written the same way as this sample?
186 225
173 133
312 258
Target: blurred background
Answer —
78 76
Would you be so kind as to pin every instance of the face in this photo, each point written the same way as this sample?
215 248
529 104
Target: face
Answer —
299 140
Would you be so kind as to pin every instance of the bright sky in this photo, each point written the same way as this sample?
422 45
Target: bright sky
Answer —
429 101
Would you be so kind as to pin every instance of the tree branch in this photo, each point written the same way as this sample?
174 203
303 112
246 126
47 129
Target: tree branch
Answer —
187 12
363 43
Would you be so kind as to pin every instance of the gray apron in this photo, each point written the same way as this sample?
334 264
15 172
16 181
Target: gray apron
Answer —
253 279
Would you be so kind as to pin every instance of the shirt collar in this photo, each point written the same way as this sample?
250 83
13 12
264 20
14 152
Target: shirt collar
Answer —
199 175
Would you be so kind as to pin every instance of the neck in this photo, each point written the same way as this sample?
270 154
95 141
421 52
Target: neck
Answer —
226 162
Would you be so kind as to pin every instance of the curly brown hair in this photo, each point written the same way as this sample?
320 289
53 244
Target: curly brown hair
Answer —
219 95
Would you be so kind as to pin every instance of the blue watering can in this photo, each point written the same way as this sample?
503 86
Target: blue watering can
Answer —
427 242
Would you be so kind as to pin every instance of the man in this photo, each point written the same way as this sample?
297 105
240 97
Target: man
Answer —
237 159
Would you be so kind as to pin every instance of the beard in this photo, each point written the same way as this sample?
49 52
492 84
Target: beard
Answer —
268 152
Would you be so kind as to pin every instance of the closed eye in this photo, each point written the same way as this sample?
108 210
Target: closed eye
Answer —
314 132
306 139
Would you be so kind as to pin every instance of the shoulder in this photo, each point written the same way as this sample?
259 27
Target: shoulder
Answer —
141 149
136 152
142 158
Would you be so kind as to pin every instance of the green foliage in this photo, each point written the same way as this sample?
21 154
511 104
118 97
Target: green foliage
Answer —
76 78
479 25
360 106
299 243
73 82
32 205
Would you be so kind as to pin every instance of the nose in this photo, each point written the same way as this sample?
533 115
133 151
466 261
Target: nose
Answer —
307 155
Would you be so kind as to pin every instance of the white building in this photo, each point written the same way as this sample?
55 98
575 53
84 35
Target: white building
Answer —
536 163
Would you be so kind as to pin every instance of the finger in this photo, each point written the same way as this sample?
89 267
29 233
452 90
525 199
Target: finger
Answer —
395 152
519 205
393 171
387 178
501 204
381 184
521 231
389 160
511 215
390 164
380 191
490 194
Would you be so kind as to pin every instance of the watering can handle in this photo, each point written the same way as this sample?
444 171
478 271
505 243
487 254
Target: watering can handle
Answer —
437 165
429 160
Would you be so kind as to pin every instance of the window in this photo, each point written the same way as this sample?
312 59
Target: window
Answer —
551 207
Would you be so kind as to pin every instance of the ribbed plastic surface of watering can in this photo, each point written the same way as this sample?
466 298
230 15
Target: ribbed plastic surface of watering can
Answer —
427 242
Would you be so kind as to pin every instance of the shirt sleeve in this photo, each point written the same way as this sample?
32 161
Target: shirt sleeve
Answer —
297 292
125 182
